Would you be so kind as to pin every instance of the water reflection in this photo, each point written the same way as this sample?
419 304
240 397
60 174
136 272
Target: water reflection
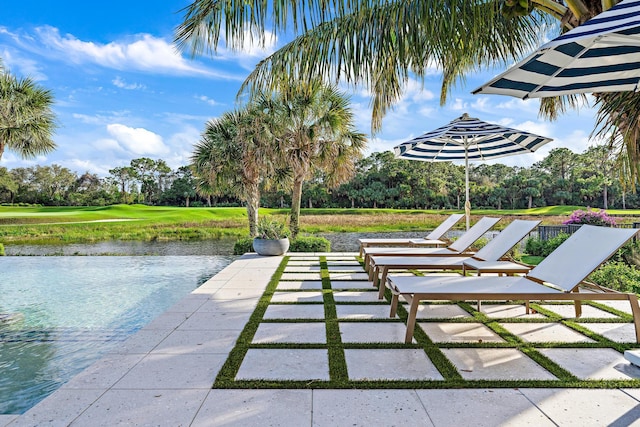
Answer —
120 247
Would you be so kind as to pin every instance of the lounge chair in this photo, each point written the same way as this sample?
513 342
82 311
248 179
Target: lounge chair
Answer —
486 260
557 278
460 246
432 239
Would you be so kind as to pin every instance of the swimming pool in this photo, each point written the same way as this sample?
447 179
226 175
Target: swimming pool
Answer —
60 314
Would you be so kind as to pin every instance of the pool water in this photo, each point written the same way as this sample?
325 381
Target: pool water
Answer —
60 314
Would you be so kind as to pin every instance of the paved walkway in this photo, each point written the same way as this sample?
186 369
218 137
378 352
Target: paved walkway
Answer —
163 374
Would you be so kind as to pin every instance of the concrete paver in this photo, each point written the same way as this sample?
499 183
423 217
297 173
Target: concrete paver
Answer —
368 408
284 364
255 408
299 284
593 363
390 364
481 408
618 332
495 364
544 332
459 332
585 408
306 333
362 311
295 311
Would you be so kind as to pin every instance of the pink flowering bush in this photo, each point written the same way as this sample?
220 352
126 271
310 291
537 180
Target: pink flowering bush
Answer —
590 217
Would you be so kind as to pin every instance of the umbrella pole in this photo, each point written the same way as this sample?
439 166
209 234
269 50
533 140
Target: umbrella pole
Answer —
467 203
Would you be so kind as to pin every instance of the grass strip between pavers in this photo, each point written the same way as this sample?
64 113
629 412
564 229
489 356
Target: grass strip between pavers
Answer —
338 370
337 360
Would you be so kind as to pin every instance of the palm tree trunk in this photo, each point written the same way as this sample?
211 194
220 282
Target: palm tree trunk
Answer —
253 204
296 197
605 197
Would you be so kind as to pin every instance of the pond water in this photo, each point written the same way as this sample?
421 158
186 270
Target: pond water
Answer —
121 247
60 314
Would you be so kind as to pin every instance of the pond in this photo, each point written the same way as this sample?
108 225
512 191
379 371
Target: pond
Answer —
60 314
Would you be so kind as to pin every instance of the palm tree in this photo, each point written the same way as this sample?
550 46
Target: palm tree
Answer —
234 156
316 132
380 44
26 119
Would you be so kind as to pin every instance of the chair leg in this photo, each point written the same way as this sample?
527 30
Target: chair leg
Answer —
394 305
635 310
382 281
411 320
578 305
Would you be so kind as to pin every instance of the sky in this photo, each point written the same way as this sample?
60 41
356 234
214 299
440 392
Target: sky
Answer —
122 91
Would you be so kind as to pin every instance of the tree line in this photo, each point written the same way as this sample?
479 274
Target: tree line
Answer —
380 181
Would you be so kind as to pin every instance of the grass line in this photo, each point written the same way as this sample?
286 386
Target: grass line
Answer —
337 360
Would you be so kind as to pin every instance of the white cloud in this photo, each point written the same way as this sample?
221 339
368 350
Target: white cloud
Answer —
119 82
142 52
207 100
138 141
459 105
81 166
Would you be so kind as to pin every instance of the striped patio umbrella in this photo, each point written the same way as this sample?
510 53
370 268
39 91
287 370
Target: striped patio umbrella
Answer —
466 138
601 55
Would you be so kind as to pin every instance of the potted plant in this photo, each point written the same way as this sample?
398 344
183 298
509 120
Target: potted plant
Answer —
273 237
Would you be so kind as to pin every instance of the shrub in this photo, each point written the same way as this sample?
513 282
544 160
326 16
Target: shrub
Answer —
551 244
534 246
618 276
310 244
539 247
243 245
269 228
2 250
479 244
590 217
629 253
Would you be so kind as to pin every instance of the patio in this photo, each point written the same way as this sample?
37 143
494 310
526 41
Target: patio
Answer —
307 342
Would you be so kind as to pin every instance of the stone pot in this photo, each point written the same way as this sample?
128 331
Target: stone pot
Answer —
270 246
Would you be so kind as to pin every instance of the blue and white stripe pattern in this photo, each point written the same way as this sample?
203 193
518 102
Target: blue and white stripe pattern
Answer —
466 136
602 55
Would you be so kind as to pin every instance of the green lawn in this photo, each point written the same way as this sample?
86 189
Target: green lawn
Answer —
145 223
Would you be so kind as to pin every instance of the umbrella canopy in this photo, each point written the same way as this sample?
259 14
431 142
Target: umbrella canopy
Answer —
467 138
601 55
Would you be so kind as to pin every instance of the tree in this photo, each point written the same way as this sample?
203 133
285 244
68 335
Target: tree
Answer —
27 122
316 132
123 177
182 189
7 184
234 156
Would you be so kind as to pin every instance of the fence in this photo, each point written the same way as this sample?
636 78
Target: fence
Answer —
546 232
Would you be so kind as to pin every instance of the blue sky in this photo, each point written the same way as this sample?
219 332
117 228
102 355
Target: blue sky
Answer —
123 92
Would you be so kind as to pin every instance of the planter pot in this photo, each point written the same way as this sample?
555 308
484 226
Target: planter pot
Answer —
270 246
